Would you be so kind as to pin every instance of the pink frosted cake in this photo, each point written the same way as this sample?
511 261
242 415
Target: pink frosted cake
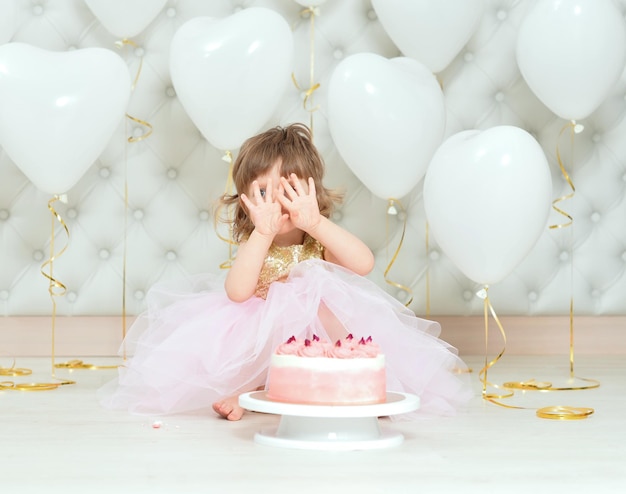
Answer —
318 372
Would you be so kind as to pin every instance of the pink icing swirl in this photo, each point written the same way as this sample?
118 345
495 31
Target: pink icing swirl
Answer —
349 347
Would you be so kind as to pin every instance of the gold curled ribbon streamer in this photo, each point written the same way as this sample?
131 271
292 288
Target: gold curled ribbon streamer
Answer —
572 127
121 44
552 412
228 190
487 309
313 86
143 136
55 287
392 210
131 139
532 384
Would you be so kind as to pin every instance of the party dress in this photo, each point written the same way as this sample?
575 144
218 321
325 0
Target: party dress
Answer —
194 346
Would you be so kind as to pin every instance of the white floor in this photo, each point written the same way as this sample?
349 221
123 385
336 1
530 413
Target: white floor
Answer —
62 441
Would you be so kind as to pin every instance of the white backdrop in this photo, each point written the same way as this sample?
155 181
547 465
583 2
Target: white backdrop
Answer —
164 230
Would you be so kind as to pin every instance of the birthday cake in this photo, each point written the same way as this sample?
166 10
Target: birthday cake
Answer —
318 372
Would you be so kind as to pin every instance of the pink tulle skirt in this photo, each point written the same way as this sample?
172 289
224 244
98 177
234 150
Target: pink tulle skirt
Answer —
194 346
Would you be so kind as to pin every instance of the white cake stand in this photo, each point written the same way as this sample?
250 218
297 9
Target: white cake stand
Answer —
329 427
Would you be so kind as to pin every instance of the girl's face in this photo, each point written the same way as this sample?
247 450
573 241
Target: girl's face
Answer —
274 174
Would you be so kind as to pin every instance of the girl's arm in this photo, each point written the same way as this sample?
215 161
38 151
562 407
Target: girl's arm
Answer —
341 247
242 278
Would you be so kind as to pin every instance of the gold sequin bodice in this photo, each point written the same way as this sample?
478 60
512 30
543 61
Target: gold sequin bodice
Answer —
280 260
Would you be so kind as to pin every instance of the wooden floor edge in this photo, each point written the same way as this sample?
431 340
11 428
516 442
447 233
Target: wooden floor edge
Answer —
528 335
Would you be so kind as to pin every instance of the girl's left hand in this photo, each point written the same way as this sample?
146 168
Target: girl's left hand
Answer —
303 208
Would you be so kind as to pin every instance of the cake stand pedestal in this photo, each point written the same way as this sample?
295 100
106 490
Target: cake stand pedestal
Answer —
329 427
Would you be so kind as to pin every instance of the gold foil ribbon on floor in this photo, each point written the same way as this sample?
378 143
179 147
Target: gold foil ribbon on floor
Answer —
551 412
15 371
393 211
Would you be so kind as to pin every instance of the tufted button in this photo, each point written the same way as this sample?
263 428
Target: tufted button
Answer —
170 255
72 213
171 12
72 296
595 293
138 214
139 295
499 96
338 54
137 132
468 57
624 256
170 91
595 217
104 254
371 15
501 15
139 52
532 296
401 295
37 9
468 295
72 47
337 215
564 256
4 214
38 255
172 173
204 215
4 294
434 255
104 172
596 138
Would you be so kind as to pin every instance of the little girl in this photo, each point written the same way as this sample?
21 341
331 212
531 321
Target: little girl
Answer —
203 341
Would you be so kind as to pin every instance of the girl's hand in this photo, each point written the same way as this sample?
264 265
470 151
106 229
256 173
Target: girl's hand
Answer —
303 208
265 212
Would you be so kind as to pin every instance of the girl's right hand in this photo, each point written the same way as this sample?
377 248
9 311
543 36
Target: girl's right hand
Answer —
265 212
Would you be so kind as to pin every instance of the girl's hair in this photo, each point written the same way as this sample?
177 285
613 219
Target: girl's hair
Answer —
293 147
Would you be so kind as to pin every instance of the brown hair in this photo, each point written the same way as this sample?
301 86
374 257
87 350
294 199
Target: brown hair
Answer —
293 146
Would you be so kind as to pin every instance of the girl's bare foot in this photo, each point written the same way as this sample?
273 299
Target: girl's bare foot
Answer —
229 408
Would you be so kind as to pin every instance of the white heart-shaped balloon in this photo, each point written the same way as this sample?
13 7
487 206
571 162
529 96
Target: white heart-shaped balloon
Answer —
487 200
59 110
230 74
571 53
432 32
125 18
386 118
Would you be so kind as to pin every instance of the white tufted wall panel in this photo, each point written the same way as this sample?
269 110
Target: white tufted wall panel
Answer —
173 175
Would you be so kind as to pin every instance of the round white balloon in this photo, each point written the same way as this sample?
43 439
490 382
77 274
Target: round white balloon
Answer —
386 118
125 18
59 110
432 32
487 200
571 53
230 74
